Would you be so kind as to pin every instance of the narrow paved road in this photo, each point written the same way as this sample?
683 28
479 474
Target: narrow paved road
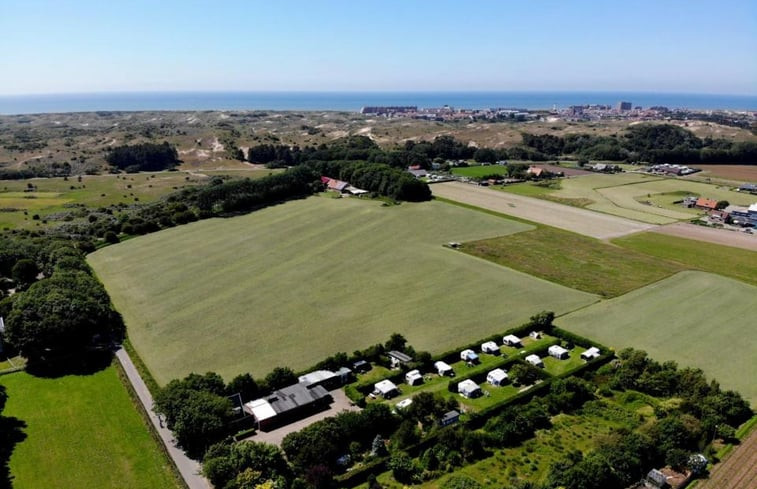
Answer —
189 469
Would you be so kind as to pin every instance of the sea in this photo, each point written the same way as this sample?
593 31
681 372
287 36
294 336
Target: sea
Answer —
353 101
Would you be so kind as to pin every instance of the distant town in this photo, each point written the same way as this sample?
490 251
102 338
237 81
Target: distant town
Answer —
590 112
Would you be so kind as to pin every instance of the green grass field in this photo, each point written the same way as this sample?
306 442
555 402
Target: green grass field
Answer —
697 319
709 257
52 195
574 260
291 284
82 431
479 171
635 196
626 195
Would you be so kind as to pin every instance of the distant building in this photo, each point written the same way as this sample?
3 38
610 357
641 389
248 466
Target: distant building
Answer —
396 109
557 351
449 418
624 106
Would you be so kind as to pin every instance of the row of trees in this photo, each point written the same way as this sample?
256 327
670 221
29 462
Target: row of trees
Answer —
652 143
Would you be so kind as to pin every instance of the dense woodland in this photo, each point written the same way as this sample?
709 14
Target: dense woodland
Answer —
143 157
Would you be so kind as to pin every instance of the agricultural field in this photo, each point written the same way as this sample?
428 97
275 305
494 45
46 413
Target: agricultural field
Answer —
644 198
594 224
724 260
479 171
292 284
51 199
574 260
82 431
736 173
694 318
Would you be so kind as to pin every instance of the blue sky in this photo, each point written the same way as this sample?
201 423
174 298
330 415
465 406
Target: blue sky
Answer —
662 45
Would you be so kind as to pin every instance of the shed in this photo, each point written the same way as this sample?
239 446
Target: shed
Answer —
511 340
590 354
361 366
288 404
450 417
497 377
443 369
398 358
326 378
534 360
490 347
413 377
558 352
345 375
386 389
469 356
469 389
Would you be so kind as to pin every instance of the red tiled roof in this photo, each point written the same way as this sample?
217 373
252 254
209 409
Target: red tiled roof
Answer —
706 203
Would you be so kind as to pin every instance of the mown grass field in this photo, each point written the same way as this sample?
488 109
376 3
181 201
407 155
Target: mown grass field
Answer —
82 431
635 196
574 260
291 284
724 260
626 195
694 318
479 171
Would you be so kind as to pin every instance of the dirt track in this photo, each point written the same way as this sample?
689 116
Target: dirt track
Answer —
739 471
711 235
589 223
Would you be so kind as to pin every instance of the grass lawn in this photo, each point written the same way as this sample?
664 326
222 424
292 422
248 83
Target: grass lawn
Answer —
531 189
696 319
709 257
574 260
479 171
291 284
82 431
56 195
556 367
627 194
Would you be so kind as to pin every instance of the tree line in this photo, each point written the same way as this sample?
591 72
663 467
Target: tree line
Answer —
143 157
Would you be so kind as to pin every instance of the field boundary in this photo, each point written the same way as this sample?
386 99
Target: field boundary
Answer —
146 421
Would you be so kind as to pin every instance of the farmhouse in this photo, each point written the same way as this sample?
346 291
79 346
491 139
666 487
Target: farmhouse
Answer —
469 356
534 360
490 347
443 369
287 404
385 389
590 354
450 417
558 352
398 358
497 377
413 377
706 204
468 389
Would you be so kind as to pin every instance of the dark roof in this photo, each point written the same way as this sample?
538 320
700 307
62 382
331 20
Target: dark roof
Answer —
449 416
294 396
657 478
400 356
